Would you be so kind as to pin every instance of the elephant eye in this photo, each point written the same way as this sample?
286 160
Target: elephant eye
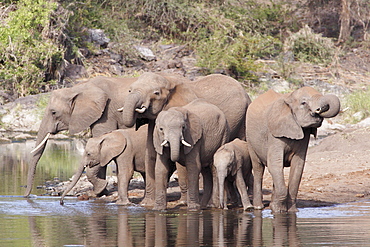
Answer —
129 90
161 129
53 112
157 93
303 102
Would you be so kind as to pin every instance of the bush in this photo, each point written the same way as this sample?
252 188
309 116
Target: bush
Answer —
358 104
26 50
310 47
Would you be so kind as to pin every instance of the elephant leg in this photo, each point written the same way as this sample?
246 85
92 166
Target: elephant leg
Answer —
182 176
207 186
295 175
258 170
150 162
124 175
161 175
97 176
280 191
215 197
193 185
242 188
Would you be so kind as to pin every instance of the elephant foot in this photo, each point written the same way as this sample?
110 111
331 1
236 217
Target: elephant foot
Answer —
278 208
293 209
147 202
124 202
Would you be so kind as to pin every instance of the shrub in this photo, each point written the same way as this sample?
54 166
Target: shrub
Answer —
310 47
358 104
25 48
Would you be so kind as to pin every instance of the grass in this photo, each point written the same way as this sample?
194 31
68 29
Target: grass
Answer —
358 106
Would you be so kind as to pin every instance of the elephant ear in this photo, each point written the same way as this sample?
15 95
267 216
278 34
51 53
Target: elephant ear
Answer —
87 107
112 145
193 130
157 141
281 121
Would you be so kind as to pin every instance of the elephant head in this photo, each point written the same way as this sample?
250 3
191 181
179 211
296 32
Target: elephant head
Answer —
73 109
174 128
148 95
303 108
99 151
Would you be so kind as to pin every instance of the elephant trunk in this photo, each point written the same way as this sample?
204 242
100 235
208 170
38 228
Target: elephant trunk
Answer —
175 149
132 104
328 106
75 179
221 190
41 140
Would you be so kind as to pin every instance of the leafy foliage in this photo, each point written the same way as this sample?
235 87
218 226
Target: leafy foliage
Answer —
26 50
310 47
358 104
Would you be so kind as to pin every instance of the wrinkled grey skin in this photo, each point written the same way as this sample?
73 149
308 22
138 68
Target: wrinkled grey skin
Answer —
92 104
233 164
152 93
189 135
126 147
278 131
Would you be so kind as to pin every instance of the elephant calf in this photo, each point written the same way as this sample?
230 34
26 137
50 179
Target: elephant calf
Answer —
126 147
233 164
278 131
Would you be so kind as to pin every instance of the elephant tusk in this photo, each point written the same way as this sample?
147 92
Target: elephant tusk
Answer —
164 143
141 110
185 143
120 109
41 143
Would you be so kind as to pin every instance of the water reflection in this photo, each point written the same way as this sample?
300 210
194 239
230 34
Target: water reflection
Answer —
59 161
41 221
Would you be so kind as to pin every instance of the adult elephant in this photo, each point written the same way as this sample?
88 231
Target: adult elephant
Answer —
92 104
278 131
189 135
152 93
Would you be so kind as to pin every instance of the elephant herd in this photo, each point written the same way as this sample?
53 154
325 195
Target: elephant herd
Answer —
156 122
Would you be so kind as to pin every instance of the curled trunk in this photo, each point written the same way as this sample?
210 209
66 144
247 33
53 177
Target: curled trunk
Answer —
75 179
133 101
330 105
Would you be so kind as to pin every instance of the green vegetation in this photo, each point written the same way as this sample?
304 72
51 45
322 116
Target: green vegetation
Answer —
37 38
358 104
308 46
26 49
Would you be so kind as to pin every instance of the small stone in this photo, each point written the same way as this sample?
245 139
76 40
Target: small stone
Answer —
360 195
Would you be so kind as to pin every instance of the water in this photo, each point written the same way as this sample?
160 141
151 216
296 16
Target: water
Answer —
42 221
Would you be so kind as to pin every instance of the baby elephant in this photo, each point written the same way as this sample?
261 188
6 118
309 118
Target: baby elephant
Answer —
232 162
126 147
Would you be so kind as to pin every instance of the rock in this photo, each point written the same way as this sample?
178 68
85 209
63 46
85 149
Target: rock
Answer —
23 137
364 123
98 37
4 140
145 53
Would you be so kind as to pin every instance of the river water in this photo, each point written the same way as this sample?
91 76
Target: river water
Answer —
42 221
